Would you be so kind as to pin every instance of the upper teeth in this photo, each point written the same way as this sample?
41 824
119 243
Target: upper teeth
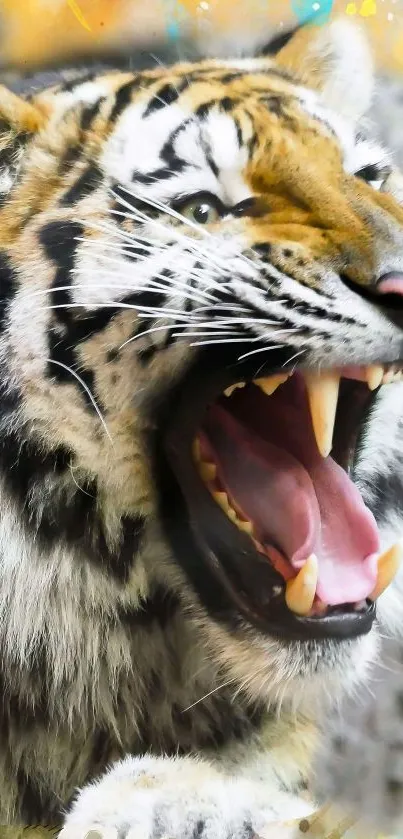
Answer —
323 393
377 375
374 376
229 390
269 384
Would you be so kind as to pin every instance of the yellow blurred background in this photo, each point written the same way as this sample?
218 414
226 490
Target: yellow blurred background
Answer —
36 32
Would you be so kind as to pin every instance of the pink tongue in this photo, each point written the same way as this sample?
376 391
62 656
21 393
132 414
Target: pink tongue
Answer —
299 510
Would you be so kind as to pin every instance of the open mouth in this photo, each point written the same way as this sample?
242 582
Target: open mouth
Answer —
263 474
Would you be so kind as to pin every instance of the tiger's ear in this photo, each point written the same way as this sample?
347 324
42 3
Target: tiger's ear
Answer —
19 115
335 60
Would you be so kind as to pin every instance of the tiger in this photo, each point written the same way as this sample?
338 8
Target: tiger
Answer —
201 336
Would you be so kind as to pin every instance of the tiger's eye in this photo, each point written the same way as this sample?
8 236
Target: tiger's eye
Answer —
200 212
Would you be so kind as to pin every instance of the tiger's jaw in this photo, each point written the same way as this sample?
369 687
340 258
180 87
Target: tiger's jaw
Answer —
266 522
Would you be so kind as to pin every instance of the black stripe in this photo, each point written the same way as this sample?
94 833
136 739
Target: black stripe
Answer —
227 104
64 515
173 163
8 285
89 112
166 95
282 39
62 352
313 310
385 491
9 155
88 181
101 751
81 78
275 104
124 95
146 354
211 163
238 133
69 158
59 241
25 464
203 110
35 805
136 203
160 607
58 238
72 326
232 76
280 73
91 324
161 174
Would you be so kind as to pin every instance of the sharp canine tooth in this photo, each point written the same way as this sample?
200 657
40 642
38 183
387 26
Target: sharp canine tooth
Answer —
208 471
269 384
374 376
300 592
388 566
323 392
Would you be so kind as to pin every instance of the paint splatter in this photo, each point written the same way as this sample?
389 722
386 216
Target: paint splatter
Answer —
78 14
367 8
316 11
177 15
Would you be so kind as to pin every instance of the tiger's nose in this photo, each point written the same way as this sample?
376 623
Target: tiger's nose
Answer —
391 283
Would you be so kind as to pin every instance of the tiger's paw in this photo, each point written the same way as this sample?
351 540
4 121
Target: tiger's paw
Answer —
169 798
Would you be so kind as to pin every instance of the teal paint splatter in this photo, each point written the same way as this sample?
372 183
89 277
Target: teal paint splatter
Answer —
173 29
306 10
175 15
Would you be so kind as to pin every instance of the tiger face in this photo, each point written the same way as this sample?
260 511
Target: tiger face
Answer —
201 282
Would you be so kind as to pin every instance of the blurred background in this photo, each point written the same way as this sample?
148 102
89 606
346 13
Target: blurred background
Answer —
42 32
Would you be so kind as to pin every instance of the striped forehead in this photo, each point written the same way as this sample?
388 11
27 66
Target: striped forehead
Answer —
195 143
175 150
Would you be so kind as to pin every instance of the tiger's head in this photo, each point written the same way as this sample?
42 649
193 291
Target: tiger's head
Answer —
201 286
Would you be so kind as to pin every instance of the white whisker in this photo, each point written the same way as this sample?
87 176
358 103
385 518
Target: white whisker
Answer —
200 334
87 390
146 332
264 349
142 311
131 238
96 286
164 208
227 341
192 244
78 485
206 695
151 284
297 355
